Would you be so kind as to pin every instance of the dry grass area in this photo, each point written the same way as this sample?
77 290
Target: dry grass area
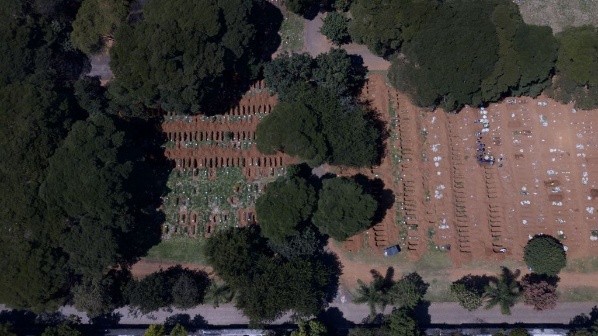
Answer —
559 14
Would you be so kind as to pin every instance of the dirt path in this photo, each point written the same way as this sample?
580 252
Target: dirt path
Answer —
145 267
315 43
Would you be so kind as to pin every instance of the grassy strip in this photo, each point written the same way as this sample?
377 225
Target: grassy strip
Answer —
291 32
179 249
582 265
578 294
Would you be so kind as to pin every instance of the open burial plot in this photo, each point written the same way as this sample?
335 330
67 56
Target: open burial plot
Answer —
478 184
203 200
219 173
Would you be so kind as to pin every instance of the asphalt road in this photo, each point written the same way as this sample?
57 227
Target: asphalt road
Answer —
439 313
315 43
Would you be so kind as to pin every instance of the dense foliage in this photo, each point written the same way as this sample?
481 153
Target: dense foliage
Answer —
577 67
286 206
469 291
97 20
405 293
539 291
337 71
178 287
315 126
302 7
503 291
71 174
344 209
456 53
335 28
188 56
267 284
545 255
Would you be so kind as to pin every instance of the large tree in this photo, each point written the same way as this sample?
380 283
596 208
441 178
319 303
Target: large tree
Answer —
85 187
344 209
577 67
285 207
315 126
97 20
544 254
335 28
176 286
449 57
268 285
335 70
409 291
189 56
469 291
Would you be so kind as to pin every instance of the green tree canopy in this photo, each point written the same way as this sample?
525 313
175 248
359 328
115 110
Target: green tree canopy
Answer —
376 294
286 205
344 209
503 291
577 67
189 56
268 285
155 330
378 24
545 255
335 70
449 57
85 185
335 28
315 126
96 20
62 329
302 7
176 286
469 291
34 119
402 323
409 291
311 328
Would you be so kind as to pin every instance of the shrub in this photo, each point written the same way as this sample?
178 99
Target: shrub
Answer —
545 255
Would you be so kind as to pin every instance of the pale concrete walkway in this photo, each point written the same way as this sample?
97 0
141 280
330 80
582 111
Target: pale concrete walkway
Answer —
440 313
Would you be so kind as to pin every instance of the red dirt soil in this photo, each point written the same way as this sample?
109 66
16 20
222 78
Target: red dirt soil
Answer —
543 179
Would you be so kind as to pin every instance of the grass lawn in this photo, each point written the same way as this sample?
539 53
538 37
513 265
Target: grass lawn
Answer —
578 294
291 32
179 249
582 265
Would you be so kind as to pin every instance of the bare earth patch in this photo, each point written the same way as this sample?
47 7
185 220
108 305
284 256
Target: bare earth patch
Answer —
559 14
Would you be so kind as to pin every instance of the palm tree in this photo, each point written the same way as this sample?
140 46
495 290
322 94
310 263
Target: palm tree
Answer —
219 293
503 291
376 294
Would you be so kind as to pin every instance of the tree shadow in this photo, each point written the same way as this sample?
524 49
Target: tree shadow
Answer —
199 321
359 71
267 20
585 320
106 320
421 313
147 185
476 283
384 197
183 319
333 264
18 317
334 319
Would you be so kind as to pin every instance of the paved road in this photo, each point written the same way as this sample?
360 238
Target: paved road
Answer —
315 43
440 313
